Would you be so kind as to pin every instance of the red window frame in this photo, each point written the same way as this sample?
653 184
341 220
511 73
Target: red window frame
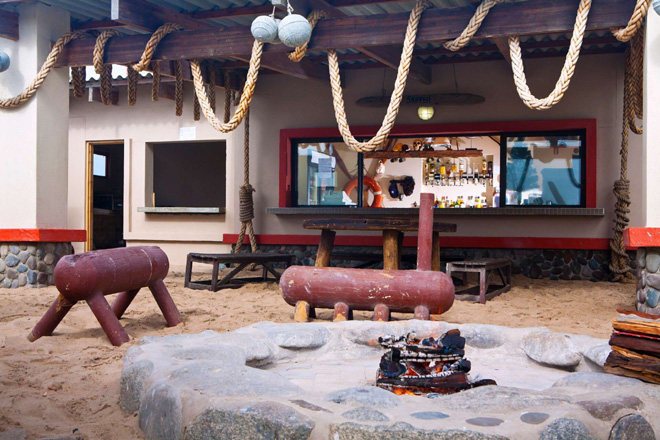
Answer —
464 128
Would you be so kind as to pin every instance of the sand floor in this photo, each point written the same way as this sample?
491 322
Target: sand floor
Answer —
71 380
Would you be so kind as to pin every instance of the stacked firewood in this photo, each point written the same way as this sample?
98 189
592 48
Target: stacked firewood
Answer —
635 344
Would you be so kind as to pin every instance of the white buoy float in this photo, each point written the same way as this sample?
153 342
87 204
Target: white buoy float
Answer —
656 6
294 30
264 29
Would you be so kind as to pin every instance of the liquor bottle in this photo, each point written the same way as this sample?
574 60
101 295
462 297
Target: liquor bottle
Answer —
462 202
442 202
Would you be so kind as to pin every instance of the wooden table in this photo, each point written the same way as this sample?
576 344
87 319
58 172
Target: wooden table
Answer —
393 229
484 267
241 260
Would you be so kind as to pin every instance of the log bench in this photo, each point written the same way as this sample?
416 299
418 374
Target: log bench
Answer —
484 267
241 261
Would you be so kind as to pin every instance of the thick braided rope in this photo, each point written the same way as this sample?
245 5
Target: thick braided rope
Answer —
226 83
313 18
105 81
246 97
473 26
155 81
246 203
397 93
210 70
635 22
566 72
78 79
46 67
152 44
196 109
132 80
634 58
178 88
99 49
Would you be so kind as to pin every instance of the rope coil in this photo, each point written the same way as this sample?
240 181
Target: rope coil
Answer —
397 94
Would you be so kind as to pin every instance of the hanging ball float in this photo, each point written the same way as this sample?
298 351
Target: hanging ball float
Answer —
294 30
656 6
4 61
264 29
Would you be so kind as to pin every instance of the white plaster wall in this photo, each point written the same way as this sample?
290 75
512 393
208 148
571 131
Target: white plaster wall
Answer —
33 144
285 102
651 170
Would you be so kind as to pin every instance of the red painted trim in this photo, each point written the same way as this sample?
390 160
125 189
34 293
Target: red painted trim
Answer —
467 128
641 237
445 241
43 235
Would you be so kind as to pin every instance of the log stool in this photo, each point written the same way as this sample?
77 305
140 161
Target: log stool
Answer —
484 268
92 275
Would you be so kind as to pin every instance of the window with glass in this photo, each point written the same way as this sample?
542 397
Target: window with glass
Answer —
544 170
462 171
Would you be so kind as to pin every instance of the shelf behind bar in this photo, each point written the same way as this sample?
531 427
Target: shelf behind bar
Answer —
434 153
384 212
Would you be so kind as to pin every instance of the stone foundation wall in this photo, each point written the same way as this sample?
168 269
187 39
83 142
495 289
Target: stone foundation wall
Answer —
648 280
30 264
569 264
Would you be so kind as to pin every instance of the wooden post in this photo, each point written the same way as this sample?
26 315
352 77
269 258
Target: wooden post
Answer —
435 252
391 250
325 248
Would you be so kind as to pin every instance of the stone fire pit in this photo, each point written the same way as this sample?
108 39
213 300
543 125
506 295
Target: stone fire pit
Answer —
299 381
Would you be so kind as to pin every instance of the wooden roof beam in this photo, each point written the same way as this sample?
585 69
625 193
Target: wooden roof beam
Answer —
523 18
149 16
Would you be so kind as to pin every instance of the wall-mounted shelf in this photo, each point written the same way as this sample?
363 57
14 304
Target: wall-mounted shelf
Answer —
434 153
179 210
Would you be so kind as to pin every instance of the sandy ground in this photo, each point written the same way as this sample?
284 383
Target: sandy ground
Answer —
71 380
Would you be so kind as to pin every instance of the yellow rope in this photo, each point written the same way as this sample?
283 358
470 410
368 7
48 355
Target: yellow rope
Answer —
635 22
31 89
246 97
397 94
299 53
472 27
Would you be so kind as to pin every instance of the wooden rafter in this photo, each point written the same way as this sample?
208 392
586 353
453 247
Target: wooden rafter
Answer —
149 16
503 46
522 18
8 25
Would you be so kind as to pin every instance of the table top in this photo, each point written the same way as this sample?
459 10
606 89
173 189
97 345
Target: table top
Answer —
374 224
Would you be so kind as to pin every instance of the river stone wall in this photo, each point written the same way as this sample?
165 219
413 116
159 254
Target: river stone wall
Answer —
567 264
648 280
30 264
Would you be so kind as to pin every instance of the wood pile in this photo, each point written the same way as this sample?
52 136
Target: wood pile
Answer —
635 344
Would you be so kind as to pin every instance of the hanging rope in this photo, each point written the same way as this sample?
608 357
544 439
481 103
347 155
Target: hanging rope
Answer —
152 44
132 77
246 203
227 87
299 53
473 26
397 94
635 22
155 81
632 109
566 72
102 69
78 79
30 90
178 88
196 108
210 73
246 97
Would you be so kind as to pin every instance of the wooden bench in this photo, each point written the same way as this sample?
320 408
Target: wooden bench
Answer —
241 261
484 267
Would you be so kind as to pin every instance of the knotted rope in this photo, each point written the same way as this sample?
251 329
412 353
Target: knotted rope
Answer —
632 109
31 89
635 22
567 70
397 94
78 79
472 27
246 204
246 97
155 81
299 53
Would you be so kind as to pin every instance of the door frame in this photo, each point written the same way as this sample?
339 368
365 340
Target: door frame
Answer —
89 187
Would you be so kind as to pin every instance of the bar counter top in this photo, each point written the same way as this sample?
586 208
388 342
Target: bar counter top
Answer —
384 212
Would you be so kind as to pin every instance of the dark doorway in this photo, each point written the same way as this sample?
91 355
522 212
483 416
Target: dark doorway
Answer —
107 188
